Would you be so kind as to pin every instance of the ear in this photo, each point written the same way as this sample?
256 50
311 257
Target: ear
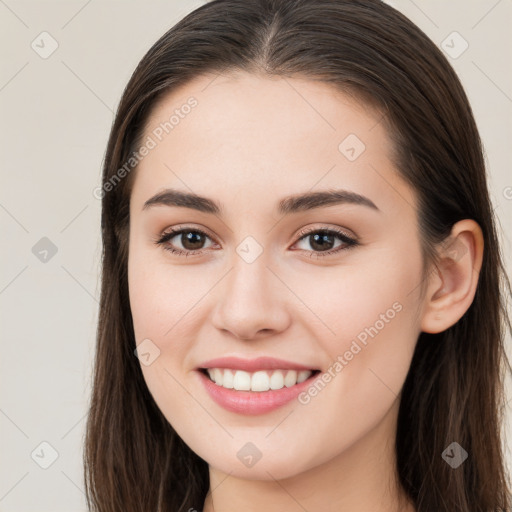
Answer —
452 283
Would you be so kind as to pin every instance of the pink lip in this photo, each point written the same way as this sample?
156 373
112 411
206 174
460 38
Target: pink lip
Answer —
253 365
252 402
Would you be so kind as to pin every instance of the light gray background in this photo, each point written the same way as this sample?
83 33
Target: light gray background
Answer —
56 115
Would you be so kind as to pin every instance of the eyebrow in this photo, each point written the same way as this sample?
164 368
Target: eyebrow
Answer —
291 204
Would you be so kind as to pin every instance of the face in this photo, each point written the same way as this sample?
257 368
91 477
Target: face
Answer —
326 285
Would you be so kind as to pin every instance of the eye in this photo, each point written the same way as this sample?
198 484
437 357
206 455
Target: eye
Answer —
191 240
323 240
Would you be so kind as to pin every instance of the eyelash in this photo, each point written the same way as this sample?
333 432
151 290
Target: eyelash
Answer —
165 237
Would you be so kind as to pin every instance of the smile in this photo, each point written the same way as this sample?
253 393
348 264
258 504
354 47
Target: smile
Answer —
261 380
247 401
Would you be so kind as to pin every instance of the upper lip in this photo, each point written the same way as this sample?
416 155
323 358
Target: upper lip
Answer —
252 365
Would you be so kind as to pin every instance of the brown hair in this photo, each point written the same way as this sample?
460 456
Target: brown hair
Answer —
454 391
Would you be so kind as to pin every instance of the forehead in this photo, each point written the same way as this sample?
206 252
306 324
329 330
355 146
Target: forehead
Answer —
241 133
238 105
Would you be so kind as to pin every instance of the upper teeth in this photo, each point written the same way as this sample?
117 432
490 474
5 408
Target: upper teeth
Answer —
262 380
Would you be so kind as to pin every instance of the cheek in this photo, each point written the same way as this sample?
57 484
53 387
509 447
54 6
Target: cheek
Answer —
159 296
375 332
159 305
367 324
372 296
164 304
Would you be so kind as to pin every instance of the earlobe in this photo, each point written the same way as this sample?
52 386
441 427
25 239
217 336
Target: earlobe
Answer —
453 282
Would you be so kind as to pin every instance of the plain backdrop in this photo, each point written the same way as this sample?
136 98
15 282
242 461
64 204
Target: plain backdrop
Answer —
56 113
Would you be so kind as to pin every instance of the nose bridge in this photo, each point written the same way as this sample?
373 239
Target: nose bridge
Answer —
250 298
249 282
251 256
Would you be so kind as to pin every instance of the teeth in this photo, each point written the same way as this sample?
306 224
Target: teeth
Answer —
226 378
290 379
262 380
276 380
241 381
217 376
303 375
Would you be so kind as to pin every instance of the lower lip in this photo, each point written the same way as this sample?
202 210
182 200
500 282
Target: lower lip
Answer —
253 402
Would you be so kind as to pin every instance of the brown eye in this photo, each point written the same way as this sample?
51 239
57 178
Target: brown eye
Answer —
323 241
191 240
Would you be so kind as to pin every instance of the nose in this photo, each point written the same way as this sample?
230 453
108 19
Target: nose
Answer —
252 302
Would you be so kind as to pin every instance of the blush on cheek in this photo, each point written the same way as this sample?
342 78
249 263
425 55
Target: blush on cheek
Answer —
372 332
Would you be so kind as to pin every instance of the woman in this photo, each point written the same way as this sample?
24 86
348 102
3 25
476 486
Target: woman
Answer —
302 294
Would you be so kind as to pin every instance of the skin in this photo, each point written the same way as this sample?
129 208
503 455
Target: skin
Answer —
248 143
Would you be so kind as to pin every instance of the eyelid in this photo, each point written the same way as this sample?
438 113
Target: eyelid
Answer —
306 231
185 227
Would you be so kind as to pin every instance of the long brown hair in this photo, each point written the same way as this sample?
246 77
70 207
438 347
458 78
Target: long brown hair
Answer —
454 391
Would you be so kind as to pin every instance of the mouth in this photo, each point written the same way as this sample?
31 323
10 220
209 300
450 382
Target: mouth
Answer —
255 390
257 381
